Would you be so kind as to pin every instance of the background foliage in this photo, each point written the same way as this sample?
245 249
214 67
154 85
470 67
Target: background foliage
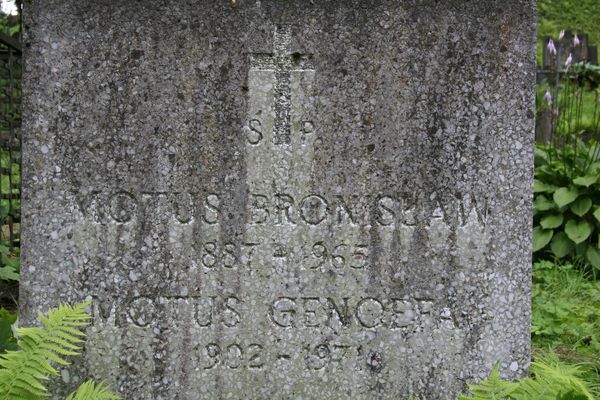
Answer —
574 15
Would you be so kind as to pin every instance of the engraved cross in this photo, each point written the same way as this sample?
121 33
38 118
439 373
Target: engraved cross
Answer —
283 63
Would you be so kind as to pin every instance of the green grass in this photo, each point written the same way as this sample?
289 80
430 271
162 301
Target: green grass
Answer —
566 316
579 108
583 117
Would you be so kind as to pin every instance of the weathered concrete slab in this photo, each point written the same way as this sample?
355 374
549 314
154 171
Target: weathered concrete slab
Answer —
305 199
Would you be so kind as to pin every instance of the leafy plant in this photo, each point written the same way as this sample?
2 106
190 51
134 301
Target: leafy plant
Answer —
554 379
9 24
9 263
91 390
23 371
565 307
567 201
577 100
551 380
565 316
567 171
492 388
7 340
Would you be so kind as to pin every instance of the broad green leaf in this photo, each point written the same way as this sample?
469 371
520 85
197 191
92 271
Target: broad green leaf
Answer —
4 249
561 245
565 196
8 273
580 249
552 221
7 341
541 187
586 181
544 172
542 203
541 156
597 214
541 237
578 231
581 206
593 256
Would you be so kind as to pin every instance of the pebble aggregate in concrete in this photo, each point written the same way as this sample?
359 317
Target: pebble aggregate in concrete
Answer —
289 200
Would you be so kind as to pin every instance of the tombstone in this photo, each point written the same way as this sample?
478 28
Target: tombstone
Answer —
282 199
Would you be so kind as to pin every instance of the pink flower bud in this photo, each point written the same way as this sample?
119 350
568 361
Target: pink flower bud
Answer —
551 48
548 97
561 34
576 41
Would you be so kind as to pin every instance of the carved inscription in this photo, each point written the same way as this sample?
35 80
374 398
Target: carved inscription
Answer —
255 135
283 64
256 356
292 312
339 313
284 274
227 256
281 209
255 131
232 356
304 313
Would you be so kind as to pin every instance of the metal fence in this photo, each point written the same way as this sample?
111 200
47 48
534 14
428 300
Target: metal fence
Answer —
10 135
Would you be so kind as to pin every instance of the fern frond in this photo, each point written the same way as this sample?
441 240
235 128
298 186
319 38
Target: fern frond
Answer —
530 389
571 396
554 380
492 388
92 391
564 377
23 371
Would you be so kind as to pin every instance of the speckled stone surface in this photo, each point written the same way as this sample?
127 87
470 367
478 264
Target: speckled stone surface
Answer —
287 200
